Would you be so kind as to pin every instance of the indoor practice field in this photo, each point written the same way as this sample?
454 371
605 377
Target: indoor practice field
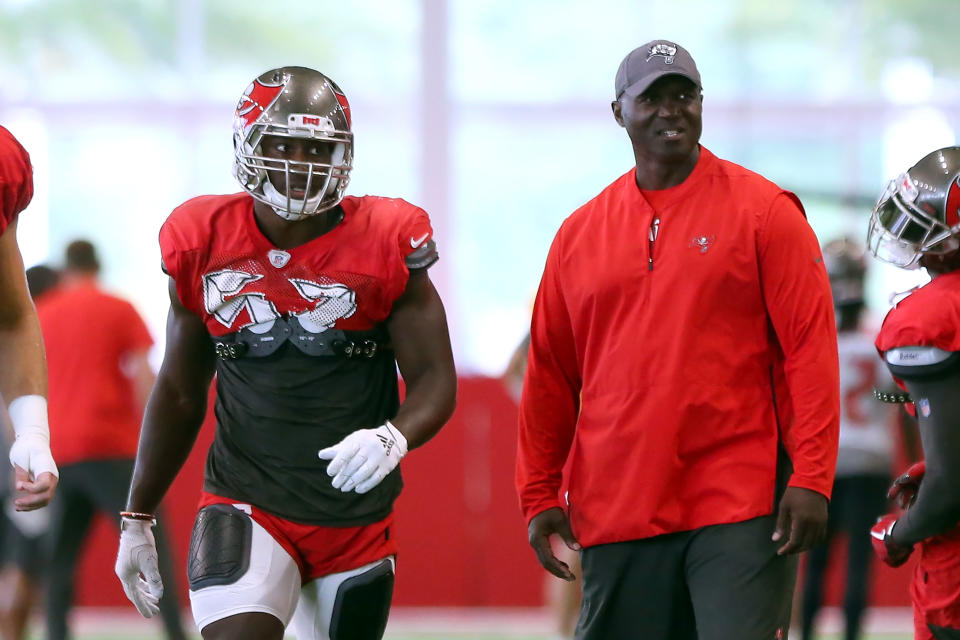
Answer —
413 623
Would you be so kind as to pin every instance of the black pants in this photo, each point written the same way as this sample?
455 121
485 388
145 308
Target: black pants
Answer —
84 489
722 582
857 502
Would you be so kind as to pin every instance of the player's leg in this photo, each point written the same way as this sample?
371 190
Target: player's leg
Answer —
564 597
70 518
935 588
243 584
740 588
22 563
107 483
20 581
818 557
867 502
351 605
813 587
636 589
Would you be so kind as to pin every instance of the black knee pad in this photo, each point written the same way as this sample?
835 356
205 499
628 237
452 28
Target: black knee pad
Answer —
219 546
362 605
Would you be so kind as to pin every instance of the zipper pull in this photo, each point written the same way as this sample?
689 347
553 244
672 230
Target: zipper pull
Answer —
654 230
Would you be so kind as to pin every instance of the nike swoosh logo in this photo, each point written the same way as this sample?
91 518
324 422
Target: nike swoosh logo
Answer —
416 242
878 535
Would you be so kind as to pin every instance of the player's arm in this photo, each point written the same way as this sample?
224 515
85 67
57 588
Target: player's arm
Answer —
932 377
23 380
797 295
176 407
421 342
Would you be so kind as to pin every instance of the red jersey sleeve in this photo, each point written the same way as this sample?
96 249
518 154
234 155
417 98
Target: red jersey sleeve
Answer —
415 239
551 394
928 317
16 179
797 295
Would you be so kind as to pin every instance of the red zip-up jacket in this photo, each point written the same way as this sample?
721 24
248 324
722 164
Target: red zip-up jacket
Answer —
671 350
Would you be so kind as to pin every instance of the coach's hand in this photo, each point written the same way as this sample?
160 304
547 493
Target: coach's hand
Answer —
138 555
542 526
802 519
364 458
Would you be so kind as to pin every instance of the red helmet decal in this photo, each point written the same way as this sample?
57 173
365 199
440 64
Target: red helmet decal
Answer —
342 99
952 212
257 99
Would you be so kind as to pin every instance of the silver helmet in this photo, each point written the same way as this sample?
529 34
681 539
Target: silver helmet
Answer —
919 212
293 102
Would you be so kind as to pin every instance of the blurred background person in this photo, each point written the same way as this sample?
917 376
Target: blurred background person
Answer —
100 377
866 447
23 376
21 532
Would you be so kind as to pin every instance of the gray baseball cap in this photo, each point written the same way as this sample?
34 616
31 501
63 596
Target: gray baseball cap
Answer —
647 63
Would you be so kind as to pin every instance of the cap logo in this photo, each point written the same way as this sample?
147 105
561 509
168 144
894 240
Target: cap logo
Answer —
667 51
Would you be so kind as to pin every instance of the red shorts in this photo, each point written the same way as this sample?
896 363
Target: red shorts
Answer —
935 588
317 550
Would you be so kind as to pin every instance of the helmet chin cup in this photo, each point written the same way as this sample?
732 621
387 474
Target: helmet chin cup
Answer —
290 208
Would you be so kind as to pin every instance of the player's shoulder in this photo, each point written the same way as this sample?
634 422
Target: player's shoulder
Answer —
193 221
16 178
928 317
381 212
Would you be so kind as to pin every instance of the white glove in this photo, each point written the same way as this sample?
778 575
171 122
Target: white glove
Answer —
365 457
31 448
138 554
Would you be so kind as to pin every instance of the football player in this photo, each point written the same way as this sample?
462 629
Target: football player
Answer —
303 301
23 375
916 223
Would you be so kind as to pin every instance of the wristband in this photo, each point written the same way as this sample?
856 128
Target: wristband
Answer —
136 515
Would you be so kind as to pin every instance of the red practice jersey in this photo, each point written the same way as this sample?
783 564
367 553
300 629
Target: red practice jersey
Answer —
16 179
231 276
275 411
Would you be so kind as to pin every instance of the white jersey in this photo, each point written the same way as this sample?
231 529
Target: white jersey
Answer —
866 424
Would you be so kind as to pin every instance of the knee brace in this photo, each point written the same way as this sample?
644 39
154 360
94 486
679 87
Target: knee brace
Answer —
219 546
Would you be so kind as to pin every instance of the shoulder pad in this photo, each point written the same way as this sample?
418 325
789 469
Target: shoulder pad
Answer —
906 362
424 256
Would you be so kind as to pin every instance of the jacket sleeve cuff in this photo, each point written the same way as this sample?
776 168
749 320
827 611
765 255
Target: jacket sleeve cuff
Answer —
823 486
535 508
